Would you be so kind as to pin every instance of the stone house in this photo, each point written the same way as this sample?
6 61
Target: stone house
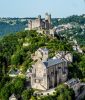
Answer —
75 85
64 54
48 74
41 53
39 23
13 97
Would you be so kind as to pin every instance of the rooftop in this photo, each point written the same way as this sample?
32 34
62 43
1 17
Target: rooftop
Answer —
52 62
43 49
12 96
72 82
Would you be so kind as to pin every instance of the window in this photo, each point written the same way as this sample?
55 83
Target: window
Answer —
35 80
55 72
63 70
52 73
59 67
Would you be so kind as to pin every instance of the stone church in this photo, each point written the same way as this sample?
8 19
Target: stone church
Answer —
48 73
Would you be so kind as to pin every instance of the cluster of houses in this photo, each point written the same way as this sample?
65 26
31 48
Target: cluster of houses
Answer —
47 73
63 27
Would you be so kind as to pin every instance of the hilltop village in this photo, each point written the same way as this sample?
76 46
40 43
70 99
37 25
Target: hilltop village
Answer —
42 64
47 73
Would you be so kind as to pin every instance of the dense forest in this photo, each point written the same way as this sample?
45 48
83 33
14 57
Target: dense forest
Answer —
14 55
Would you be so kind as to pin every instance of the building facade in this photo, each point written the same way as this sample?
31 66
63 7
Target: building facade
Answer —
66 55
41 53
75 85
13 97
48 73
42 25
39 23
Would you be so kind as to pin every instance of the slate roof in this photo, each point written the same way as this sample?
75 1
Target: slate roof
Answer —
72 81
52 62
12 96
14 71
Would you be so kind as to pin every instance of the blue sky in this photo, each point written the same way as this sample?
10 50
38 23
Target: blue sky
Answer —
32 8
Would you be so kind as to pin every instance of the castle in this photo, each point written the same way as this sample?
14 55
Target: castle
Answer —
42 25
47 73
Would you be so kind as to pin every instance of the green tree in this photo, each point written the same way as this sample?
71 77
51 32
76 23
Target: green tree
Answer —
26 94
62 92
19 85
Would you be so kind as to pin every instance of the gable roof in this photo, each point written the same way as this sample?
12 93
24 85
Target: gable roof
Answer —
43 50
52 62
14 71
13 96
72 82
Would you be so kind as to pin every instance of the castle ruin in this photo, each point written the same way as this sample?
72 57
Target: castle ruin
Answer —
42 25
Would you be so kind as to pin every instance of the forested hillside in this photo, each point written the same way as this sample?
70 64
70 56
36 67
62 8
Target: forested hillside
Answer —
15 53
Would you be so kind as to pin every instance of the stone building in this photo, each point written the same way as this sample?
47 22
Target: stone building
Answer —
64 54
13 97
42 25
39 23
41 53
75 85
48 73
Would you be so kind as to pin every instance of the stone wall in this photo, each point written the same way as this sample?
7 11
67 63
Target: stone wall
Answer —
45 78
39 23
39 80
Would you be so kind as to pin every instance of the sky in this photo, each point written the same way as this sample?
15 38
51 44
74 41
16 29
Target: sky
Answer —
32 8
